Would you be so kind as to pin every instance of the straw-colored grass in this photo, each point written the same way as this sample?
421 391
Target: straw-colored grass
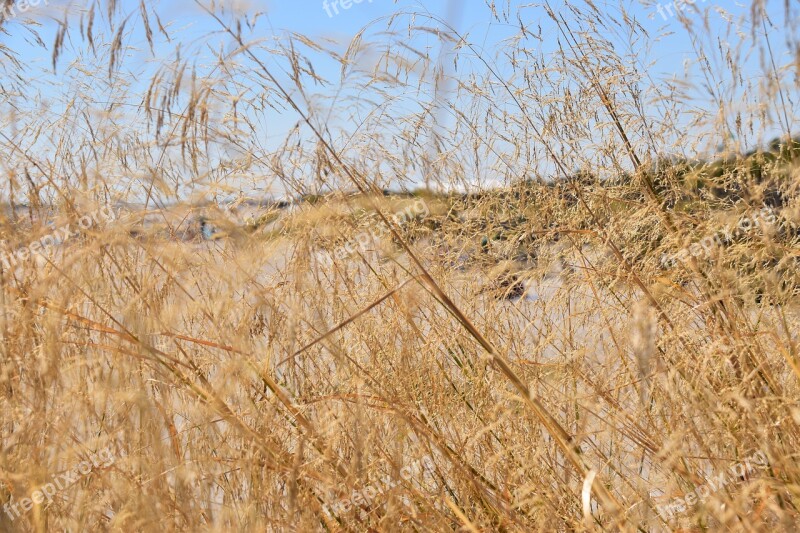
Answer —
516 356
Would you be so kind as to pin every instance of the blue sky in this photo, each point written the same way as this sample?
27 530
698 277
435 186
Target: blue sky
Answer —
337 23
187 22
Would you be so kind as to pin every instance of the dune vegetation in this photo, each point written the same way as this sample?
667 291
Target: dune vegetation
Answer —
530 288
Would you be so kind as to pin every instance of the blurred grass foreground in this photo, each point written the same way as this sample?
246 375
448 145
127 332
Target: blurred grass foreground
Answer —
407 280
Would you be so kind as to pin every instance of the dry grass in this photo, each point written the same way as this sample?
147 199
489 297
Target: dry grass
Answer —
521 345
